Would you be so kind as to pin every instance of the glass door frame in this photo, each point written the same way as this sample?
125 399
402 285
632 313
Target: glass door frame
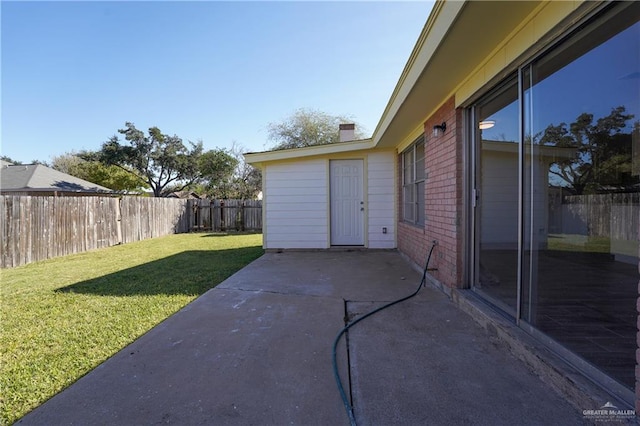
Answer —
474 195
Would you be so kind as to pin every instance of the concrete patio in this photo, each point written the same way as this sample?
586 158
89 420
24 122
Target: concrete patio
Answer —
256 350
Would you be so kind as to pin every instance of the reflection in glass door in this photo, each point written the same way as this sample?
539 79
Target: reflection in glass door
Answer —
497 196
582 196
556 222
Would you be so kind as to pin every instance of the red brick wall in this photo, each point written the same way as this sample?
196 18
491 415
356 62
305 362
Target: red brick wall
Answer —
443 201
413 243
444 210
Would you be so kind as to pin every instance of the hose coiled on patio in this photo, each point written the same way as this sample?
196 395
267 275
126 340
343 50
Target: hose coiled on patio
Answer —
336 374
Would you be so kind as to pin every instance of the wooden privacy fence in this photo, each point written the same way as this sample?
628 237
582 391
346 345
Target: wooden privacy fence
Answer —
149 217
225 215
38 228
601 215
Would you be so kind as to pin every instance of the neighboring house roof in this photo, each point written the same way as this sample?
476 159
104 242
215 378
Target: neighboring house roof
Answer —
39 178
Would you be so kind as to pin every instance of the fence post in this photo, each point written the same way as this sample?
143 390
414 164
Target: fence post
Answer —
119 221
213 207
242 216
222 223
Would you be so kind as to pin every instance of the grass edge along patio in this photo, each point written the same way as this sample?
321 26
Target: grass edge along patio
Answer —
63 317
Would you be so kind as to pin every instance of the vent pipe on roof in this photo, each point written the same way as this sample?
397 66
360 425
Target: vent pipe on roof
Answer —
347 132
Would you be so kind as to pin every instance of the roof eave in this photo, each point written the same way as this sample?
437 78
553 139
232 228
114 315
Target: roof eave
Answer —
440 19
457 38
257 158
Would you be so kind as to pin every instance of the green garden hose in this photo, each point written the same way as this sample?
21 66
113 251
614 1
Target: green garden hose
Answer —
336 374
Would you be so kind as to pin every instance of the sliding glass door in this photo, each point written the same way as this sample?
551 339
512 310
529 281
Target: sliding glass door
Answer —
497 195
581 192
557 193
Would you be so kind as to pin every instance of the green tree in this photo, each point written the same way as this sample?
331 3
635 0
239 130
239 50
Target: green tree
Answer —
217 167
18 162
68 163
247 179
9 160
112 177
225 175
602 158
164 161
306 127
247 182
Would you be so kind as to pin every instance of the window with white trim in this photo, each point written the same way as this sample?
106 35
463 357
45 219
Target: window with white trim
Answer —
413 209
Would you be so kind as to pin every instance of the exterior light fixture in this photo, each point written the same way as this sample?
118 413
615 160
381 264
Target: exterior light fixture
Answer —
439 129
487 124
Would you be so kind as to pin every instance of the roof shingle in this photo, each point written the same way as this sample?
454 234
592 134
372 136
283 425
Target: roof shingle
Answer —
36 177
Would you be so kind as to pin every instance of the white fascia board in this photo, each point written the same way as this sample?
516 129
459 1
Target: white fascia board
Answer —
310 151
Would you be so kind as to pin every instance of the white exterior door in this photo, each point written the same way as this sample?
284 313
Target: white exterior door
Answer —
347 202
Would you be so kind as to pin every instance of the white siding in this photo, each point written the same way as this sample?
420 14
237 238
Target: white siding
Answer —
499 199
381 199
296 205
297 197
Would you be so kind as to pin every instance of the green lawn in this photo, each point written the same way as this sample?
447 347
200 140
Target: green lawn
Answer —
579 243
62 317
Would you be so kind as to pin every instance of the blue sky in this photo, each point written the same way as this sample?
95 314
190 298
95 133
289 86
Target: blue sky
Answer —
600 80
74 72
